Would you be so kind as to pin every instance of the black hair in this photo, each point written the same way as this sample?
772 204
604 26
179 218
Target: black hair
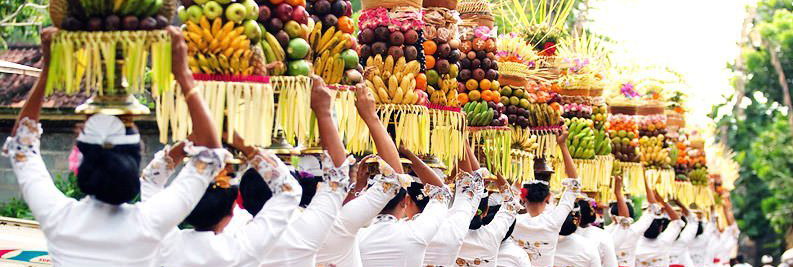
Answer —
545 176
254 191
491 213
615 209
510 230
536 192
568 227
309 186
476 221
215 204
111 175
415 191
392 204
739 258
655 228
588 215
700 228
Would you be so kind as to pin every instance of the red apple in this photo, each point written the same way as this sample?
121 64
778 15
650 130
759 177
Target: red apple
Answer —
300 15
264 13
284 12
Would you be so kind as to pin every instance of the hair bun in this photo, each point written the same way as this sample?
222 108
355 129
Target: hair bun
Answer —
111 175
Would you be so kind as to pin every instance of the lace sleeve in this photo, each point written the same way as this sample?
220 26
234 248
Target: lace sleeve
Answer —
25 143
156 174
273 171
337 178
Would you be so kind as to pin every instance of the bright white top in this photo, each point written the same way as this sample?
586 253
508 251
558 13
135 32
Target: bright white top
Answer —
443 249
698 248
240 246
511 255
625 234
390 242
728 240
341 246
538 235
678 252
480 246
608 255
304 235
655 252
89 232
575 250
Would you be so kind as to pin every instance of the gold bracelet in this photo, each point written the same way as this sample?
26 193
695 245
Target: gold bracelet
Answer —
189 94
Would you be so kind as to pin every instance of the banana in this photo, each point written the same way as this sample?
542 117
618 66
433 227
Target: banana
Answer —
229 51
154 8
205 69
217 25
245 61
237 42
338 69
202 60
327 71
192 27
280 54
339 47
379 83
204 23
388 65
410 97
315 35
398 94
383 95
224 62
318 65
374 93
378 62
213 62
326 37
412 67
226 29
369 62
393 84
206 35
191 61
405 82
235 63
268 52
399 66
117 4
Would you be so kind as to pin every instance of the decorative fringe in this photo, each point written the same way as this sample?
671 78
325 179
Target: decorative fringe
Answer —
411 129
703 197
343 110
592 172
447 130
494 143
522 166
662 180
243 107
546 138
294 110
684 192
89 60
632 175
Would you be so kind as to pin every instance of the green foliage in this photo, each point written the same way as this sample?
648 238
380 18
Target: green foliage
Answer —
775 167
17 208
26 25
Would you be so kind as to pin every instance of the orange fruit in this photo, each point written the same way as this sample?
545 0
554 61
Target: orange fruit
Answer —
276 2
474 95
430 47
421 81
462 98
429 61
295 3
484 84
487 95
495 85
345 24
496 96
471 85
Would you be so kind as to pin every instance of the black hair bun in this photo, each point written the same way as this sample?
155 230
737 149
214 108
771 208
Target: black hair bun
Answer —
615 209
537 192
416 193
568 227
309 185
215 204
110 175
491 213
392 204
254 191
655 229
477 221
588 215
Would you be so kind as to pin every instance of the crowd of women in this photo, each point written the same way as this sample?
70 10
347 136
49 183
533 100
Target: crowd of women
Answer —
330 210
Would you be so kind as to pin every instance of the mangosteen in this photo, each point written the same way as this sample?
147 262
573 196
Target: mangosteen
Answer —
162 21
366 51
513 119
315 18
113 23
283 38
338 8
379 48
454 56
411 37
464 75
512 109
442 66
491 75
461 87
492 105
130 23
148 23
411 53
72 24
366 36
486 63
322 7
494 65
476 63
396 52
330 20
275 25
444 50
95 24
396 38
465 63
481 54
381 33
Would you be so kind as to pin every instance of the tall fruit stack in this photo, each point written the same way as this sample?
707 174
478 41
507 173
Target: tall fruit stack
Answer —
334 46
623 129
286 26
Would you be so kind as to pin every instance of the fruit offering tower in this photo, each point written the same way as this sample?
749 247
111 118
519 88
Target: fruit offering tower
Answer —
623 129
441 58
390 47
104 48
333 44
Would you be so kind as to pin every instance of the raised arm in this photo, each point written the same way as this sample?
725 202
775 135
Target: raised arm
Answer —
622 206
154 177
473 162
667 208
465 163
426 225
32 107
386 148
425 174
569 165
358 212
649 191
497 228
467 189
728 208
328 132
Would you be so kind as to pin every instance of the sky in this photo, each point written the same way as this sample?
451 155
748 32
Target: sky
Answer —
694 37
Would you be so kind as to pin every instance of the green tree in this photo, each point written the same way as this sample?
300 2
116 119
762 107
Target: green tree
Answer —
22 20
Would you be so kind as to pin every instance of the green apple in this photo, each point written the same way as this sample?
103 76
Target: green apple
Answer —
252 30
224 2
293 29
194 13
252 8
212 10
182 13
200 2
236 12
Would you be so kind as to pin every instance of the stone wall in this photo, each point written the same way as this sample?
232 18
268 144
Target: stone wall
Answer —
56 144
